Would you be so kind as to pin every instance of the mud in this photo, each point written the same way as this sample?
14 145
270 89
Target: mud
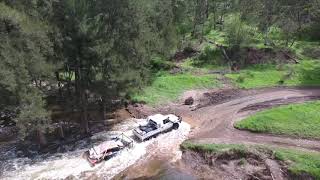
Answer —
267 55
277 102
184 54
233 164
218 97
213 122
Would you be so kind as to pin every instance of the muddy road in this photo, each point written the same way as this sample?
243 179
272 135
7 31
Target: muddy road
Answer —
211 119
213 123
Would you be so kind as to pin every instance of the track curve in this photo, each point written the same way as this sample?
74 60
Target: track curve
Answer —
214 123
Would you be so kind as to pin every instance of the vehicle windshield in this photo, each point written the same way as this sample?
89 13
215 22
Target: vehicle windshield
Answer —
152 123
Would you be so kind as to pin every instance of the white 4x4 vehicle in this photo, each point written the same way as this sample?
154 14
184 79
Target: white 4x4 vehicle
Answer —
157 124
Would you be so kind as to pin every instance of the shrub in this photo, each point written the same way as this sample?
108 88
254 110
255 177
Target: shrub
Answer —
249 74
241 78
312 52
158 63
209 56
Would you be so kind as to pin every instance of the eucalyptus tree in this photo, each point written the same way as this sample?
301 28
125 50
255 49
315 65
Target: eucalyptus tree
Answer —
25 68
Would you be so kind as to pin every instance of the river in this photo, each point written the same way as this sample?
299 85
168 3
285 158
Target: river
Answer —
72 165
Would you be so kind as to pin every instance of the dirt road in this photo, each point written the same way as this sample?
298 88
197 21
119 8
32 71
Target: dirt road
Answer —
214 123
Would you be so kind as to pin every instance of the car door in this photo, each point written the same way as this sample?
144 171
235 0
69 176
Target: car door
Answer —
167 124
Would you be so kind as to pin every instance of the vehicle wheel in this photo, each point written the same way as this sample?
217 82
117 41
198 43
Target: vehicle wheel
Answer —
175 126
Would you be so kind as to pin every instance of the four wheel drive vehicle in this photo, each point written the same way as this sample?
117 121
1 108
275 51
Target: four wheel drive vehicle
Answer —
107 149
157 124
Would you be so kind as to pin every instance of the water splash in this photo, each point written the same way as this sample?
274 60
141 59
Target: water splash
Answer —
63 165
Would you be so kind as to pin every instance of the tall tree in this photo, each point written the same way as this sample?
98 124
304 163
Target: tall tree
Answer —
25 67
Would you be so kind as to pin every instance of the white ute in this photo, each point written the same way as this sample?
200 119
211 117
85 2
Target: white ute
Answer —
157 124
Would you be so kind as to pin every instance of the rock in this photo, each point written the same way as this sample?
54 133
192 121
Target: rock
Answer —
189 101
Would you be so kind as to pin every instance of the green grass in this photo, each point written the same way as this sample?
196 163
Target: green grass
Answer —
307 73
301 120
190 65
213 148
299 162
168 87
257 77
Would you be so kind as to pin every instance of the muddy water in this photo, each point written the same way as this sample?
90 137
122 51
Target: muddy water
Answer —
71 165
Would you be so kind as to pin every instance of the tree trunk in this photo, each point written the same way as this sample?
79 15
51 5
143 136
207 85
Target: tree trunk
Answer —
84 117
61 131
103 108
200 17
214 19
41 138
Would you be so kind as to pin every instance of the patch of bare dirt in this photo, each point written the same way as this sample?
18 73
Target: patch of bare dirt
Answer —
139 110
218 110
268 55
277 102
233 164
218 97
185 53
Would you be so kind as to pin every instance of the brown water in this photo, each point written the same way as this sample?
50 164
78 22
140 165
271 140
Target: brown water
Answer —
71 164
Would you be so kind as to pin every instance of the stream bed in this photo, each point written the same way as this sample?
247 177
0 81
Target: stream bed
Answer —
72 166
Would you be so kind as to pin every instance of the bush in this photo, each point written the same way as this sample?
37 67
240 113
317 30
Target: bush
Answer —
237 32
209 56
249 74
158 63
312 52
241 78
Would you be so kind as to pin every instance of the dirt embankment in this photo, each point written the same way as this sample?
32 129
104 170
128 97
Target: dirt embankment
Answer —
249 164
233 164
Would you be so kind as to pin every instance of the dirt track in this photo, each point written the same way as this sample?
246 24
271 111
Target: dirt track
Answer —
212 118
214 123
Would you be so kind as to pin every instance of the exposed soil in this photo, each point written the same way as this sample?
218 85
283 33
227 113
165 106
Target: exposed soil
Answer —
212 117
184 54
233 164
214 112
268 55
214 121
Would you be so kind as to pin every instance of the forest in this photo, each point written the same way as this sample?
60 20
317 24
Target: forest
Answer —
65 64
84 54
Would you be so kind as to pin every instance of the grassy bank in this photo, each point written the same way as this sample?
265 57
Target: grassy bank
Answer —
168 87
300 120
304 74
299 162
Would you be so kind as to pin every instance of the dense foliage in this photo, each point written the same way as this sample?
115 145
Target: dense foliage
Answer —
81 53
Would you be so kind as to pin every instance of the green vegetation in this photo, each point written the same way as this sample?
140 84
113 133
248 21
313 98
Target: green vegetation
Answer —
212 148
80 51
306 73
299 162
216 36
257 76
167 87
300 120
